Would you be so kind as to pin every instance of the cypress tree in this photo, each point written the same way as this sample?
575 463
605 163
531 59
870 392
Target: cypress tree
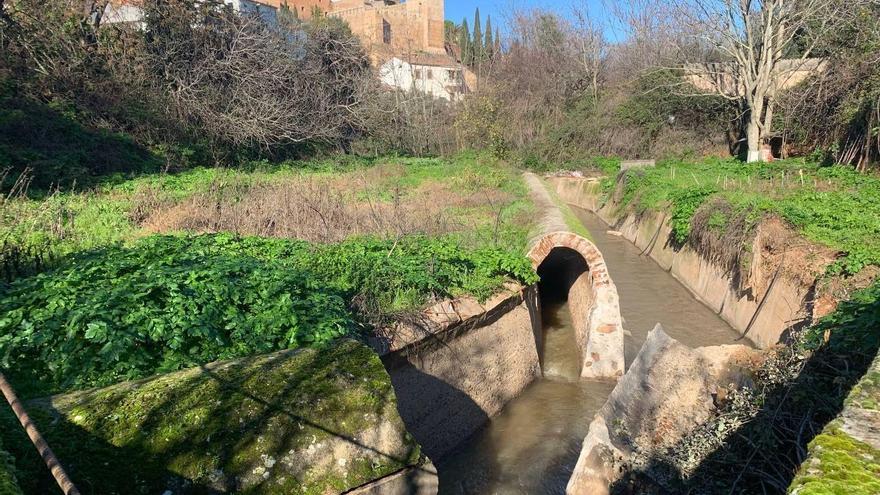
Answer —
464 41
489 51
477 52
497 42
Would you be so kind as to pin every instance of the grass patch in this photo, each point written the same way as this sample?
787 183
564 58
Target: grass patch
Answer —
571 220
479 201
833 206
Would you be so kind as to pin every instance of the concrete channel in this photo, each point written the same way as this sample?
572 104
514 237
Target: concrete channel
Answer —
502 395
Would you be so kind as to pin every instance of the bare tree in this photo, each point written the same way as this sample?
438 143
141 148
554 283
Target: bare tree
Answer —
590 45
748 41
247 83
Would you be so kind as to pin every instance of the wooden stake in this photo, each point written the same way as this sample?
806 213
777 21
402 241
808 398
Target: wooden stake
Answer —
39 442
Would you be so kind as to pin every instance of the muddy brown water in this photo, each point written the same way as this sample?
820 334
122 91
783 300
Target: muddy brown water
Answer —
533 445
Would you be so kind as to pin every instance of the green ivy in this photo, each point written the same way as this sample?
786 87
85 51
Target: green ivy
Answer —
170 302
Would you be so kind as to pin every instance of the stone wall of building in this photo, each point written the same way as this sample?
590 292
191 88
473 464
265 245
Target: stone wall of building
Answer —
415 26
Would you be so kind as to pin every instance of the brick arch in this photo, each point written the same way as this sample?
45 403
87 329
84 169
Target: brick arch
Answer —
595 308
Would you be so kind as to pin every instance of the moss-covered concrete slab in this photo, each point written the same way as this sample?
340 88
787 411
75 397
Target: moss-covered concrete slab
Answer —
295 422
845 458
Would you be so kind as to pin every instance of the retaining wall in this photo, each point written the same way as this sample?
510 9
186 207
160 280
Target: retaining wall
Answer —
763 317
461 363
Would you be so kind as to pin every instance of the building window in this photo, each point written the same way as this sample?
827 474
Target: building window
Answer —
430 74
452 74
418 73
386 32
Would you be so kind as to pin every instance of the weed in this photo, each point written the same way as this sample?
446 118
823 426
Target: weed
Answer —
171 302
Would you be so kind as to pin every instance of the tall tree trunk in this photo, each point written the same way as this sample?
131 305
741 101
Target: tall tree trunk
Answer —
754 136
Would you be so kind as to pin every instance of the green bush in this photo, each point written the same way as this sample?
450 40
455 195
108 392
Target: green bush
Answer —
168 303
8 485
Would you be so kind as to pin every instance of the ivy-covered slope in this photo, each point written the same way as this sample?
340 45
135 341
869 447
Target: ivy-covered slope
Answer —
294 422
845 458
172 302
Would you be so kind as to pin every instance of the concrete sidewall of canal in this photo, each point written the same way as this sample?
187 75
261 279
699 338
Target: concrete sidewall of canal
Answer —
450 378
765 318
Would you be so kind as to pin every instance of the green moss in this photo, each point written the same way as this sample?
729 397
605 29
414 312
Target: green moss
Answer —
571 220
866 395
264 425
838 464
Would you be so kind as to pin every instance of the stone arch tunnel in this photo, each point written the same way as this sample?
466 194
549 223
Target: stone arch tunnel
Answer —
571 267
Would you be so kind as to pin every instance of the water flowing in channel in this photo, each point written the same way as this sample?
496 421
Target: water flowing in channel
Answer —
532 446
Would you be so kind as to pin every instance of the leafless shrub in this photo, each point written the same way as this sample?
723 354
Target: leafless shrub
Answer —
250 84
198 75
319 210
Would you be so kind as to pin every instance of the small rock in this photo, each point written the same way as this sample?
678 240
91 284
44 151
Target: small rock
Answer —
615 233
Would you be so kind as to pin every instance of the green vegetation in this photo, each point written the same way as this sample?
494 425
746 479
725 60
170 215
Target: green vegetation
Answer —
167 303
838 462
487 199
59 151
93 296
243 426
8 484
840 465
834 206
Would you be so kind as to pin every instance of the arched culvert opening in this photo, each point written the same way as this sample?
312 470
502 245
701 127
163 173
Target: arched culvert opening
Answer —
559 353
558 272
592 301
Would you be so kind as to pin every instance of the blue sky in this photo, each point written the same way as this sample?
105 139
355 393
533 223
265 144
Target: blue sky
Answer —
456 10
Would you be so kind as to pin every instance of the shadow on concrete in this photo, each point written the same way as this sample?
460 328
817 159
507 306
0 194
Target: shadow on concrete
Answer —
558 272
231 419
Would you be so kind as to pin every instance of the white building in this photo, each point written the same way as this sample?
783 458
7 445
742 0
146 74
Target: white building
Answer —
439 76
